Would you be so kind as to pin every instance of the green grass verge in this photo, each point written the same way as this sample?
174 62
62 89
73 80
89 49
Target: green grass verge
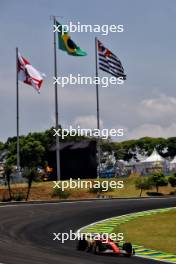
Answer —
152 231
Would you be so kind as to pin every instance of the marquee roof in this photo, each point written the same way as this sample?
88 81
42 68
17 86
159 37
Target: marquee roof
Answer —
173 161
154 157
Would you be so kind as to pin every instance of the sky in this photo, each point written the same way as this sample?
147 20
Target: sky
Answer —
144 105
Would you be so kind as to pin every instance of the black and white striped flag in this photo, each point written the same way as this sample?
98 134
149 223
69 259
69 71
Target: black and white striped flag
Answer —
109 62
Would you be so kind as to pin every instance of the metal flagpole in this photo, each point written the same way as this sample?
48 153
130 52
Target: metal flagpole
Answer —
56 107
98 109
17 115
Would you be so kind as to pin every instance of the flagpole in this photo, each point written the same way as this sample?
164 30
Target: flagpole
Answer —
17 115
98 108
56 108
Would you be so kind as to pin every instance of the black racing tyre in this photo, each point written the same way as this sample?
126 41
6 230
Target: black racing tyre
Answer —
128 248
88 248
95 249
82 245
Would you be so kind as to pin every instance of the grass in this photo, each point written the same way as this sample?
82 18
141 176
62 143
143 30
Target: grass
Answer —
156 232
44 190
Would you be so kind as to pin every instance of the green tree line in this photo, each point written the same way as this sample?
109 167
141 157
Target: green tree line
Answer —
35 147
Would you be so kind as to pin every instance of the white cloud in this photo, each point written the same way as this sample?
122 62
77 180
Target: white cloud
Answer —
152 130
158 107
89 121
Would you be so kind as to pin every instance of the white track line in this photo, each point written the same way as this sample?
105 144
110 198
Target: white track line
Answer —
73 202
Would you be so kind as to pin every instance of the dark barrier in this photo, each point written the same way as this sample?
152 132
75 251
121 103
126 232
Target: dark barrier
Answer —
78 160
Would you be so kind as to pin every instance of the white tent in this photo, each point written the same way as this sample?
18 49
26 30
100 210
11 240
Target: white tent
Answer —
173 161
173 164
155 157
155 162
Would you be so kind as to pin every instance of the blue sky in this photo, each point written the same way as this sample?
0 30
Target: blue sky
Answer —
144 106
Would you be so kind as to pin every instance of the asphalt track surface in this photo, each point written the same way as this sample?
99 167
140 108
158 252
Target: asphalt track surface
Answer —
26 231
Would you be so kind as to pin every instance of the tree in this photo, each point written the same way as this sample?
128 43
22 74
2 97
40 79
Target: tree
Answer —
30 174
172 180
158 179
143 184
1 146
32 153
35 147
7 173
171 146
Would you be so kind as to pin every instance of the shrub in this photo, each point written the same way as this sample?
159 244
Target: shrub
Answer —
172 180
159 179
143 184
61 194
173 193
20 196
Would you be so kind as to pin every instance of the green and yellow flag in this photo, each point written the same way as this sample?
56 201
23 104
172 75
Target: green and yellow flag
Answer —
65 43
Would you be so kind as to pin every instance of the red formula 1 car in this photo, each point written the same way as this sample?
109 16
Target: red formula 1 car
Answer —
105 247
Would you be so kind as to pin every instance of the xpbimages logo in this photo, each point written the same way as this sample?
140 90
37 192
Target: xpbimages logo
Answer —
88 184
88 132
88 80
62 237
85 28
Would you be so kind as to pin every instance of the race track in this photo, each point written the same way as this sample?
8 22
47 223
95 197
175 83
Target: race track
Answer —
26 231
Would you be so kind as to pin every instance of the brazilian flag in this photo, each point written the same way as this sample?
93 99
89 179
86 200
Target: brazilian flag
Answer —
65 43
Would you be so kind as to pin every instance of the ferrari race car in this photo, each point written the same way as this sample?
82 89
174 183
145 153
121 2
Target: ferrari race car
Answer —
105 247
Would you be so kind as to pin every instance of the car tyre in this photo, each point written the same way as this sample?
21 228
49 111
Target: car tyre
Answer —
128 248
95 250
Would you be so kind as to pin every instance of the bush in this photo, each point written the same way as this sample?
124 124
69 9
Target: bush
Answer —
143 184
172 180
159 179
20 196
61 194
173 193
